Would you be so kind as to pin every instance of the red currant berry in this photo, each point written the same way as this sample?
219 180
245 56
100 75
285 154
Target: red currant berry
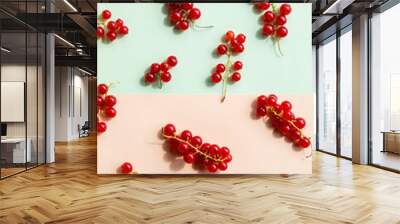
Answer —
214 150
126 168
205 147
271 101
235 77
268 30
273 96
228 158
229 36
224 152
287 115
262 100
100 32
261 111
111 25
286 106
175 17
285 9
110 112
220 68
237 65
102 89
123 30
186 135
262 6
119 23
187 5
238 48
284 129
182 25
106 14
294 135
241 38
183 148
222 166
281 20
173 6
300 122
303 142
189 158
282 32
100 101
269 16
150 78
111 35
196 141
155 68
173 144
164 66
212 168
216 77
194 14
101 127
110 101
165 76
172 61
169 130
222 49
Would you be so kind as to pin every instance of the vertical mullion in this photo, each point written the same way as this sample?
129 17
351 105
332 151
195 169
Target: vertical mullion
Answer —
37 90
338 98
369 91
26 87
0 94
317 95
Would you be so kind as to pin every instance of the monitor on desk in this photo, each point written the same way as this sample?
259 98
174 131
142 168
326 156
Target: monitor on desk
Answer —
3 130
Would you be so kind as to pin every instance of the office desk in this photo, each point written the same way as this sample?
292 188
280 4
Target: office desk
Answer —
391 141
15 148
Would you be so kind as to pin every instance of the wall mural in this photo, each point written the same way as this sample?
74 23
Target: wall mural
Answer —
144 137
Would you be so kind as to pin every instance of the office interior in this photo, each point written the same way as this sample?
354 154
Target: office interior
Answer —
48 89
48 76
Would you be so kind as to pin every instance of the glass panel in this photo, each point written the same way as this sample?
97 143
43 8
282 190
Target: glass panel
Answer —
346 94
13 87
41 99
385 114
327 97
31 100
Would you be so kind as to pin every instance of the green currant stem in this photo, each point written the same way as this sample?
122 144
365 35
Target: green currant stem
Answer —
194 25
226 77
159 81
278 41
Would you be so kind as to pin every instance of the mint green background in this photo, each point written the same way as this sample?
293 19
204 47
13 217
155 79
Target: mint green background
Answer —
151 39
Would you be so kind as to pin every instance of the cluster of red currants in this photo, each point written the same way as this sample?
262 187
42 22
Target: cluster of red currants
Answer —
234 45
126 168
181 15
105 107
160 71
114 28
193 150
275 19
283 119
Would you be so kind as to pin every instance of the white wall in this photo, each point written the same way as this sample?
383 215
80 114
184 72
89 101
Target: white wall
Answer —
71 102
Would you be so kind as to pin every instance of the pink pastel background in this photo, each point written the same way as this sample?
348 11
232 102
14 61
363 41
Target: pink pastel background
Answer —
133 136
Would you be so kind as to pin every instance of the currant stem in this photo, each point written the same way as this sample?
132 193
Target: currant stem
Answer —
226 77
291 123
196 149
278 44
159 81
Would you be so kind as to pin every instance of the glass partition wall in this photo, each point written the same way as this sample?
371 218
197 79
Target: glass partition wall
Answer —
22 77
334 94
385 90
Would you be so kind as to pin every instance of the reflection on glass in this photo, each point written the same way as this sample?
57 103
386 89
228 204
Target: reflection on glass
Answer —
327 97
13 84
385 114
346 94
